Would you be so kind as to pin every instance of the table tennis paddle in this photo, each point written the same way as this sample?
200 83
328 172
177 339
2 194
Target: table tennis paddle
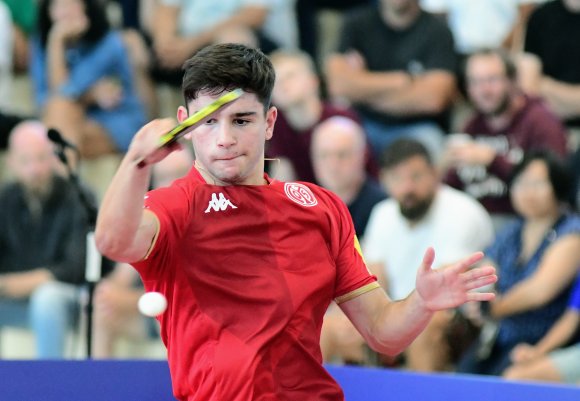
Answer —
194 121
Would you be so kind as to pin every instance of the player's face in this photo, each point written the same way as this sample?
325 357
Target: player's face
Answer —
487 84
412 183
532 193
295 83
229 148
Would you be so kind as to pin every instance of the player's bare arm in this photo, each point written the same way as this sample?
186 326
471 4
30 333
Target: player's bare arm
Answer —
125 231
389 327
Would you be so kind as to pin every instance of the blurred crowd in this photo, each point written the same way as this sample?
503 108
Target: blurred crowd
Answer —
445 123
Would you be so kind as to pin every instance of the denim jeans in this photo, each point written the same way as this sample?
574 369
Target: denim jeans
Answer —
50 312
380 136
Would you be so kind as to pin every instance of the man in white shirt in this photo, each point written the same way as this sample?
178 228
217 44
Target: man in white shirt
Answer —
479 24
420 213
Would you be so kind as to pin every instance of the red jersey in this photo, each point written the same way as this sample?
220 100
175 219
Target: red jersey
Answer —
248 272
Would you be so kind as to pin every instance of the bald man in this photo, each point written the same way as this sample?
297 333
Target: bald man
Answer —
339 156
42 242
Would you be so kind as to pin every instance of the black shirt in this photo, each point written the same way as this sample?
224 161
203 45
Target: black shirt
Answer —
360 208
54 238
553 34
426 45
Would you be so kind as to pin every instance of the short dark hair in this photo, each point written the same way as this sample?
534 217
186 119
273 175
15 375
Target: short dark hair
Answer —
507 61
559 172
227 66
403 149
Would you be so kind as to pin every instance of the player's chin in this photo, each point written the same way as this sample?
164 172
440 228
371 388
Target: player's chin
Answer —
229 175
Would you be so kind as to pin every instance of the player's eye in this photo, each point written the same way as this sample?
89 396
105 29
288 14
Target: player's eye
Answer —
241 122
211 121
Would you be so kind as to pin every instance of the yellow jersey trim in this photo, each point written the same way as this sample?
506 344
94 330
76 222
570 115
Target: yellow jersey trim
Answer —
359 291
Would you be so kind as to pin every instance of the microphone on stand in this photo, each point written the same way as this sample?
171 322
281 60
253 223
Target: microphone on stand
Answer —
93 259
55 137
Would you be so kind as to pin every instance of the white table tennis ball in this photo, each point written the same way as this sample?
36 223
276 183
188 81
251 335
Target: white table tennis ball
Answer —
152 304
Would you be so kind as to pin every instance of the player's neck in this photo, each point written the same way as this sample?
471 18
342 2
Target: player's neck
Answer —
255 178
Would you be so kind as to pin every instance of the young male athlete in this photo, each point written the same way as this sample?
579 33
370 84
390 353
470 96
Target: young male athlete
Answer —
249 264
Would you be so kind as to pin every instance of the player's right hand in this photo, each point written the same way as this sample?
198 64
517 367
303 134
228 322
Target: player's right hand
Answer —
145 147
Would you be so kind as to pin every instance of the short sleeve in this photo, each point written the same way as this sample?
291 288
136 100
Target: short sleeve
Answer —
441 54
171 208
472 229
504 242
570 226
352 275
349 32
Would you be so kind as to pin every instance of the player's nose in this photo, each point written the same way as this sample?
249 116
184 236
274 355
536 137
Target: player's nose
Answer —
225 136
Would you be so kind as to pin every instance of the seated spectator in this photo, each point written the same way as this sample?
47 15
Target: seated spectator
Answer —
506 124
182 27
547 360
42 243
484 24
552 36
309 30
397 67
83 77
338 156
537 258
115 303
24 14
8 120
420 213
296 94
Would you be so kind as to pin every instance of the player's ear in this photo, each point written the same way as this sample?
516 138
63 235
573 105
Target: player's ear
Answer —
271 116
182 114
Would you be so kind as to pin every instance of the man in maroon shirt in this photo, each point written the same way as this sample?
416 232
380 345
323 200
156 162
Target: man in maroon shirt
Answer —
507 123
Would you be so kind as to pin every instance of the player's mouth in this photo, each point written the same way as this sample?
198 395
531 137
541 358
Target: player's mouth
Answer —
227 158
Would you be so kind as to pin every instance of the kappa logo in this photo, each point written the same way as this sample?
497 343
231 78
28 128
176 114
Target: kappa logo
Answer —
219 203
300 194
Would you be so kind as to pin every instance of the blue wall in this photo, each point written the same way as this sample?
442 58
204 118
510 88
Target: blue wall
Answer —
149 380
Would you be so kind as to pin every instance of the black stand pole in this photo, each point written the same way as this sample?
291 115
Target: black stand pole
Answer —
93 258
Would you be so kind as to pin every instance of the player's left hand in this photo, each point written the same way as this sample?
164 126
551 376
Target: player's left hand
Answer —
455 285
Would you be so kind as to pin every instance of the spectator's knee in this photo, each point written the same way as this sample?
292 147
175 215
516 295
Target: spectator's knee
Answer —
49 297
